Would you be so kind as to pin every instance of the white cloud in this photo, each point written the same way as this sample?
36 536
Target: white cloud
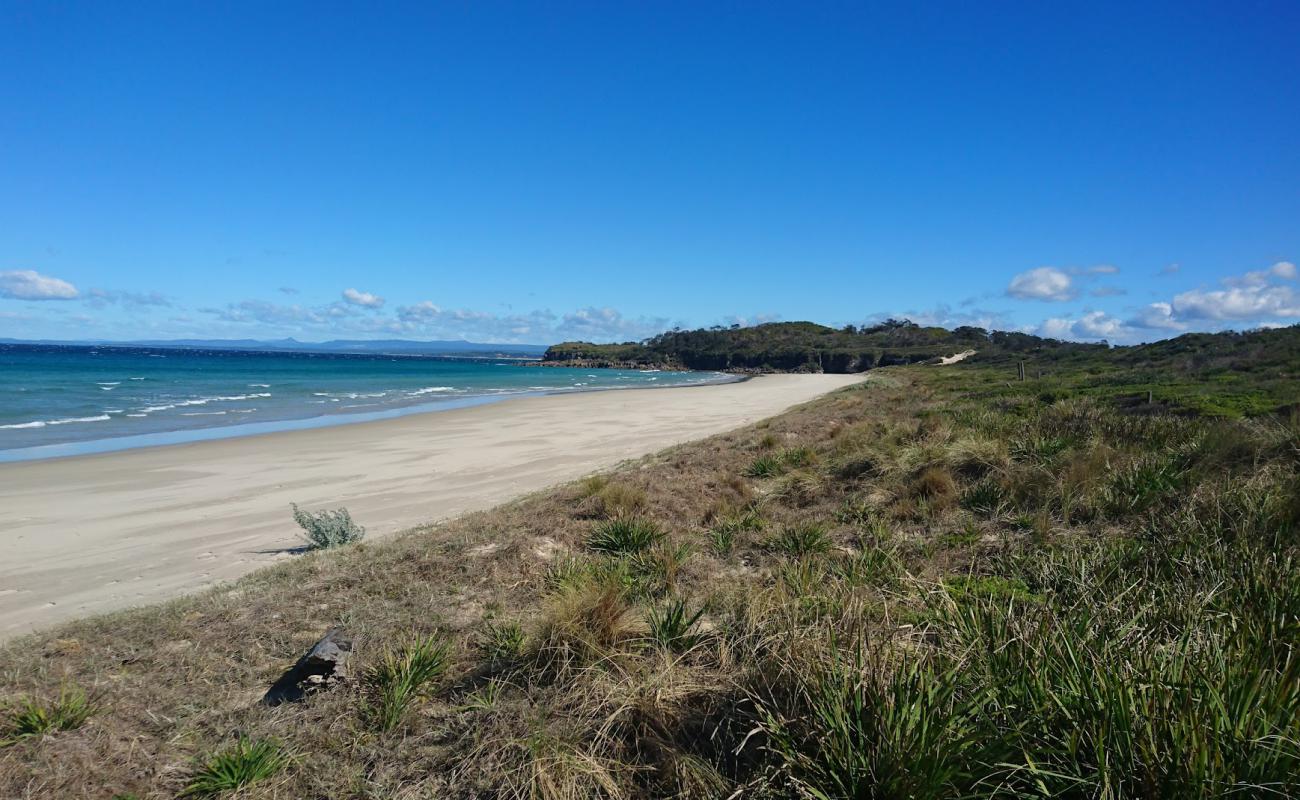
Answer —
1043 283
1100 325
1159 316
750 321
606 323
1092 326
28 284
1251 296
424 311
363 299
1055 328
1282 270
260 311
98 298
1102 269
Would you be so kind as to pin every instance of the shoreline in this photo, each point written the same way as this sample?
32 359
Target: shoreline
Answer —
117 444
105 531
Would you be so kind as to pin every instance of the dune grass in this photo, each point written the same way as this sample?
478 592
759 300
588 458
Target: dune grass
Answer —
959 587
239 766
66 711
401 677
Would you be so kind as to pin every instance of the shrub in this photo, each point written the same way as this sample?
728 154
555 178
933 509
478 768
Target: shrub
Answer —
874 566
723 540
798 489
586 622
673 627
985 497
68 711
935 485
613 500
242 764
625 535
871 732
401 677
326 529
502 642
1140 486
807 538
592 484
798 457
764 467
969 588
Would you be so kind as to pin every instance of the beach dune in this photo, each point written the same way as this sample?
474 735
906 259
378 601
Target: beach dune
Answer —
102 532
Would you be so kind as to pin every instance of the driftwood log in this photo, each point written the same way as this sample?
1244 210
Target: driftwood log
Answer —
323 666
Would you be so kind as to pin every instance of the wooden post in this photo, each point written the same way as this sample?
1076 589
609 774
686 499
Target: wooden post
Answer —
1150 398
1021 368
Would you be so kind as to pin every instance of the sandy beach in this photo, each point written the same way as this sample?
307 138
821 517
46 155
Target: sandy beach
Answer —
102 532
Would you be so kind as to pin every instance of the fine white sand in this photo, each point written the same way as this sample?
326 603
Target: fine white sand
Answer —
102 532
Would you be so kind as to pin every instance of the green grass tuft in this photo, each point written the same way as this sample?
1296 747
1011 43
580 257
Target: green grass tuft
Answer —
68 711
244 763
808 538
625 535
401 677
674 626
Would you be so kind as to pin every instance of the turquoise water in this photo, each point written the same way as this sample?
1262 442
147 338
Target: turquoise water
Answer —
64 400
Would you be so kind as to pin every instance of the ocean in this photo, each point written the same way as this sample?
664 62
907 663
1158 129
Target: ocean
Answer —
58 400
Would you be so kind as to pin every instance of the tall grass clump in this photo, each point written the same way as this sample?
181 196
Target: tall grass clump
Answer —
625 535
401 677
855 730
606 499
985 497
244 763
326 529
808 538
673 627
765 466
502 643
68 711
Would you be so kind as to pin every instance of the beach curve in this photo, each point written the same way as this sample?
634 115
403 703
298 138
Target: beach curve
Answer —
98 533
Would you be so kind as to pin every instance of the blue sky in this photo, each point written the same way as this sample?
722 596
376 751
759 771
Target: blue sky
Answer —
540 171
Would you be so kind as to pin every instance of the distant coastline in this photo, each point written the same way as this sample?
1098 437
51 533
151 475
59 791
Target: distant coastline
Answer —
63 400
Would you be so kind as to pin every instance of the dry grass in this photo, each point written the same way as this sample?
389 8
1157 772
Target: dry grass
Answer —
646 671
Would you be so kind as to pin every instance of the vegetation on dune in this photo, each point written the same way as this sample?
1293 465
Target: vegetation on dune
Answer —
325 529
239 766
944 582
67 710
792 346
1227 374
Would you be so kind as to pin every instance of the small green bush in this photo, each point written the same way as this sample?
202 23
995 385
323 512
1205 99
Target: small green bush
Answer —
326 529
242 764
723 540
68 711
673 627
401 677
625 535
766 466
807 538
502 642
985 497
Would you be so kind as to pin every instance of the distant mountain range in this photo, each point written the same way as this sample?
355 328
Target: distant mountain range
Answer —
457 347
